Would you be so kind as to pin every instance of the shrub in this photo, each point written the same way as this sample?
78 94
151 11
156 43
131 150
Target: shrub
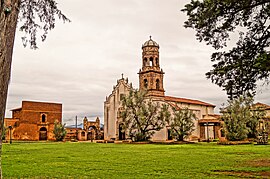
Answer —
59 131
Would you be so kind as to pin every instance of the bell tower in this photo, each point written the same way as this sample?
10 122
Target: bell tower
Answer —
150 75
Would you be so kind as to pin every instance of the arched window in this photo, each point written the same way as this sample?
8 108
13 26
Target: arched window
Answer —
145 62
145 83
43 118
151 61
157 84
121 132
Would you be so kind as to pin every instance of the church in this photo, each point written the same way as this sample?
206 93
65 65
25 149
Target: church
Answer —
207 125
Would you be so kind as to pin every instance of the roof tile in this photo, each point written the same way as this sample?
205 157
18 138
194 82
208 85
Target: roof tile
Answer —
189 101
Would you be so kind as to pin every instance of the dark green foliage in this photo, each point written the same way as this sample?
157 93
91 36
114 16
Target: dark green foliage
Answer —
257 114
141 116
181 123
215 21
59 131
241 118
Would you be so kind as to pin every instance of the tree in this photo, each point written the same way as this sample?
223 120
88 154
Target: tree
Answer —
182 123
257 113
215 22
4 133
35 16
59 131
240 118
142 116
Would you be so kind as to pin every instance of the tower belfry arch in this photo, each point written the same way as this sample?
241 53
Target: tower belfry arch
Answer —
151 75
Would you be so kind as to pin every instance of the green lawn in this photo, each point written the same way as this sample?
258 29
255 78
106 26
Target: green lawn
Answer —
91 160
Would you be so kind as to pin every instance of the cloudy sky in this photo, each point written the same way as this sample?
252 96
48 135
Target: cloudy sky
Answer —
80 61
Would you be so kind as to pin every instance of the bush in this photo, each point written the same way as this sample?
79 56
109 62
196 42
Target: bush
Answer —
59 131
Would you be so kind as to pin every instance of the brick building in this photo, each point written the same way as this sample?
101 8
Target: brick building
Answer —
34 120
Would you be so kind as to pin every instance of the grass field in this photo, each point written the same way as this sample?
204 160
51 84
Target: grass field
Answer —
91 160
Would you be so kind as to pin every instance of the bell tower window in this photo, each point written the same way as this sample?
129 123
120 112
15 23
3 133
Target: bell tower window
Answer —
151 61
157 63
145 83
157 84
145 62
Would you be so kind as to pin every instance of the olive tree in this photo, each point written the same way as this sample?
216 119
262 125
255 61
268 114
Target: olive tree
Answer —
181 123
141 116
240 118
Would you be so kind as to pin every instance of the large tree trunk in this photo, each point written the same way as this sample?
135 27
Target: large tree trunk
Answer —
9 10
180 138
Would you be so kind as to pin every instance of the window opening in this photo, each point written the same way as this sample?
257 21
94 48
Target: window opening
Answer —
151 61
43 118
145 62
145 83
157 84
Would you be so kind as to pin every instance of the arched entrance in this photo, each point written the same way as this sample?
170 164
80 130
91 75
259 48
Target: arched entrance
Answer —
169 137
43 133
122 135
83 135
91 135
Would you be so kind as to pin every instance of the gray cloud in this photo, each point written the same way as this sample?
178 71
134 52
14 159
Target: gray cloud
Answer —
80 61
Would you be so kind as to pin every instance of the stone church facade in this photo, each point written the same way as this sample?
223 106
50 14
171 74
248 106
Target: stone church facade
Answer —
151 79
112 107
33 121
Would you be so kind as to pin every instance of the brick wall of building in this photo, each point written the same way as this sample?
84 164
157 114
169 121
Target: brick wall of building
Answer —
35 120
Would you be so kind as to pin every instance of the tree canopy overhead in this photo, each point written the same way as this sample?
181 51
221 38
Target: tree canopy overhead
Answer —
215 21
38 16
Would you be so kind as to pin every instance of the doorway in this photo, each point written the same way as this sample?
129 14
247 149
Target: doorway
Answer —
122 135
209 132
169 133
92 132
43 133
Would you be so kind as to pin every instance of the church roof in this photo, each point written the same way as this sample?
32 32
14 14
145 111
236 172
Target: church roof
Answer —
150 43
209 120
188 101
261 105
